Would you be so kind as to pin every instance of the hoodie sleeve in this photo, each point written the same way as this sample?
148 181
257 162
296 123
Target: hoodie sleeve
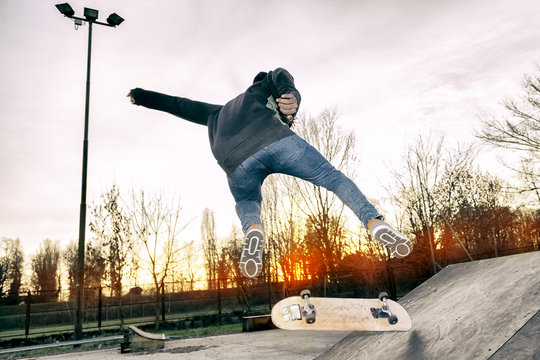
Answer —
284 83
194 111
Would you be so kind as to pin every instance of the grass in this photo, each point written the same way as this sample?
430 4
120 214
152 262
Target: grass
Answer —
212 330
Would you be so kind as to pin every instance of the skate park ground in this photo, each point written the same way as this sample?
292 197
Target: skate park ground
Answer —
486 309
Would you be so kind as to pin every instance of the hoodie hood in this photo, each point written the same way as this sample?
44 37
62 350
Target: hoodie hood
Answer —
260 76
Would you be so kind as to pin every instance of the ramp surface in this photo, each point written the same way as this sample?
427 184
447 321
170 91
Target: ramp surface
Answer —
477 310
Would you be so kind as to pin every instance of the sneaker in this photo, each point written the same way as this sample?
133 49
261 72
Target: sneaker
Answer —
398 244
251 262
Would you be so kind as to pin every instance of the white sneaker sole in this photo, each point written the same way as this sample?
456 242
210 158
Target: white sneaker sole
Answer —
398 244
252 254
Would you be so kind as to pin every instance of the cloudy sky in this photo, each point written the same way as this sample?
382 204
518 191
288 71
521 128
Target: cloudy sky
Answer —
394 69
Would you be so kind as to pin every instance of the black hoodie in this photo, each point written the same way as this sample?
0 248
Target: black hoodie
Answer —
241 127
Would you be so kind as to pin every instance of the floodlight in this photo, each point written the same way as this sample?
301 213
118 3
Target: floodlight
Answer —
90 14
114 19
65 9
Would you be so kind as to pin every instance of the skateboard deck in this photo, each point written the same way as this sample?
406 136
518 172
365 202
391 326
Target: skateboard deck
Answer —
316 313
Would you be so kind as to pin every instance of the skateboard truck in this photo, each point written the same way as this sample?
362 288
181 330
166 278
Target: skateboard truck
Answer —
308 311
384 311
296 311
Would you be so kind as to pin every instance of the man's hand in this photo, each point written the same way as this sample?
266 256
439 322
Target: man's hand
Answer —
287 105
131 97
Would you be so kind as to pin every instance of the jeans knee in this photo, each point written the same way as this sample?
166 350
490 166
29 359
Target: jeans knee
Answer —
333 179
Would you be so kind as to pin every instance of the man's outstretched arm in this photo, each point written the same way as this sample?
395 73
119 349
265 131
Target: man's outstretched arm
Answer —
194 111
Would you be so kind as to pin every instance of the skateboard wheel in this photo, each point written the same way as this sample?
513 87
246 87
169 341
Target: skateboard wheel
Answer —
383 296
305 293
310 318
393 319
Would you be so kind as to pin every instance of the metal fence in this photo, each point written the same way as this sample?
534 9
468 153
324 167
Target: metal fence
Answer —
33 317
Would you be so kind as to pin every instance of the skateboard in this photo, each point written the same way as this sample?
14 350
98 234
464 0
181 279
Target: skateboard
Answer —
315 313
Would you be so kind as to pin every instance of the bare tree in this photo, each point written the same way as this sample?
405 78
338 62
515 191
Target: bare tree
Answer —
69 257
453 210
134 268
11 269
210 247
232 251
229 266
474 205
520 133
46 270
305 225
324 213
157 227
190 257
95 268
281 217
112 227
426 162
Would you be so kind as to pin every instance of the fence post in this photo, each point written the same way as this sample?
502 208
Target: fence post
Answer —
392 282
27 324
163 301
100 306
219 299
269 288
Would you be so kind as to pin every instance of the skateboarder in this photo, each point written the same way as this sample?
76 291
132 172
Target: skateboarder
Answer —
251 138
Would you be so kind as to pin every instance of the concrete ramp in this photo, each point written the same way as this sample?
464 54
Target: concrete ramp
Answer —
487 309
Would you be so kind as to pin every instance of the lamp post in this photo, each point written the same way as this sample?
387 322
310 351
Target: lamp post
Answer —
90 17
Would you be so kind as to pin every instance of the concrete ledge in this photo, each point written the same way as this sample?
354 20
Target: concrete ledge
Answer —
257 323
136 339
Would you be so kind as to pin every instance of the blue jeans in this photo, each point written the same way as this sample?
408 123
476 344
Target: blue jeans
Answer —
292 156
